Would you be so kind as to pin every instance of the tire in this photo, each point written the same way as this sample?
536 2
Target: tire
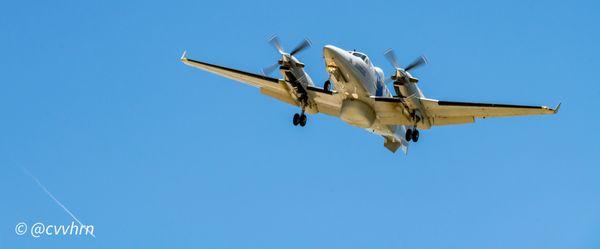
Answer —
303 120
408 135
415 136
296 119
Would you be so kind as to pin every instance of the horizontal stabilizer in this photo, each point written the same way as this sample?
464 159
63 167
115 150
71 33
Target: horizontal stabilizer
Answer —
392 144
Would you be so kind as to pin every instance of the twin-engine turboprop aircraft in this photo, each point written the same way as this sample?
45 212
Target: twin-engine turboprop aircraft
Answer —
360 96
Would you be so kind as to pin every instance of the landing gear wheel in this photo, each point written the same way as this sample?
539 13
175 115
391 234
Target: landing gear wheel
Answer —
296 119
415 136
303 120
408 135
327 85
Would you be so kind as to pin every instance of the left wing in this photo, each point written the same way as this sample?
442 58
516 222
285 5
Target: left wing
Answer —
252 79
326 101
268 86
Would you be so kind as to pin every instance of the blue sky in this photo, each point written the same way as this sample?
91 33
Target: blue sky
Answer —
154 154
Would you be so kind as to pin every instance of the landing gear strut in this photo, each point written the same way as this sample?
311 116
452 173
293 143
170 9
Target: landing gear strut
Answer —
327 85
412 135
299 119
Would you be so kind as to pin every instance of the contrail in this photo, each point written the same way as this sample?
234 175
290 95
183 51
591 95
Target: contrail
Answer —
55 200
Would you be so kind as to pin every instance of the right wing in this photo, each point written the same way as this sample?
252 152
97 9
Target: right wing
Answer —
326 101
394 111
451 112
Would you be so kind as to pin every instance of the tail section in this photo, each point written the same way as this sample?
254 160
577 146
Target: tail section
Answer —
392 143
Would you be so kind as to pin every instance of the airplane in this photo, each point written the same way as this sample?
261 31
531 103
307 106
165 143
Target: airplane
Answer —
360 96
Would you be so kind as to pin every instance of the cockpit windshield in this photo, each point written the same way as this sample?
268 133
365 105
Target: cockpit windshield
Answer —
360 55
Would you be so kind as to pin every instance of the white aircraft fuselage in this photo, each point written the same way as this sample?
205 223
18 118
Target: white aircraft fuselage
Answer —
355 77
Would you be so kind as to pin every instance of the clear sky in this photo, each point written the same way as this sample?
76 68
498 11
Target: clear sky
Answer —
95 103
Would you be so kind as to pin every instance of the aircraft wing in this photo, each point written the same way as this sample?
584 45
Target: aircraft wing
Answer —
393 111
451 112
326 101
252 79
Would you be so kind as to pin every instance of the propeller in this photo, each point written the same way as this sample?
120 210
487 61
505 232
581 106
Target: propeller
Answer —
274 41
300 47
403 72
268 70
286 58
416 63
391 57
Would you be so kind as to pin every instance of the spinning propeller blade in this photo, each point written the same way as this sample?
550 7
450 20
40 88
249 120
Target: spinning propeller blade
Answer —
391 57
417 63
269 70
303 45
274 41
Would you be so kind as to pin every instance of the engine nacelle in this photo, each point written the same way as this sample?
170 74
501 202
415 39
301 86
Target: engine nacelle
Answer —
357 113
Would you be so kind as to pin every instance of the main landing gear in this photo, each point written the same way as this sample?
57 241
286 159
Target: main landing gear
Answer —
412 135
299 119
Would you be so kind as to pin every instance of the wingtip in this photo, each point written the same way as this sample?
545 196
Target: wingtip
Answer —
183 56
557 108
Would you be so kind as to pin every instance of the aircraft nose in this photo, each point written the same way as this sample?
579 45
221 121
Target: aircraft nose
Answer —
330 51
333 54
